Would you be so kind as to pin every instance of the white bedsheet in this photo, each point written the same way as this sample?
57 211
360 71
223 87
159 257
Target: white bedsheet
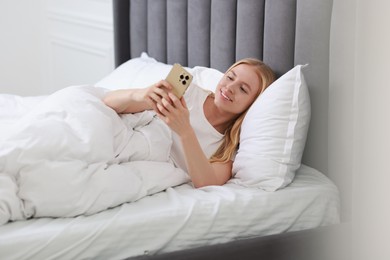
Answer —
178 218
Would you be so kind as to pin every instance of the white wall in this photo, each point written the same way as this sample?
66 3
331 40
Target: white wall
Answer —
51 44
360 120
20 46
341 99
371 205
78 42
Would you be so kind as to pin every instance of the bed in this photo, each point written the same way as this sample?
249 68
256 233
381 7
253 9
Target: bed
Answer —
233 221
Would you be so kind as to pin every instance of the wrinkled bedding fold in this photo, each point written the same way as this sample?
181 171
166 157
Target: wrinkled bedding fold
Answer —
73 155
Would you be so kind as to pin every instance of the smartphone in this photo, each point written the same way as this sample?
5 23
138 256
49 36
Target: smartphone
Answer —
180 79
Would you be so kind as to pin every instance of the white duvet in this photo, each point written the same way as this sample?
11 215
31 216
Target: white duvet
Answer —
73 155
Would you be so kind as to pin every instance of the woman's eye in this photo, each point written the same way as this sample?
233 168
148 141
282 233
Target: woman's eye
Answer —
229 77
244 90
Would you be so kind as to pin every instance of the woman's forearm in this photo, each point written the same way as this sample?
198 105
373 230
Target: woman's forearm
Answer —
127 101
137 100
175 114
200 170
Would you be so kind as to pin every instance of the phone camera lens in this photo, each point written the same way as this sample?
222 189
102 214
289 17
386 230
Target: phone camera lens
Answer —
181 76
187 78
183 82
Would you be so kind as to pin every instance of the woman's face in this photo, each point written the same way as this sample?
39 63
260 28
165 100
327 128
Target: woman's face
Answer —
237 89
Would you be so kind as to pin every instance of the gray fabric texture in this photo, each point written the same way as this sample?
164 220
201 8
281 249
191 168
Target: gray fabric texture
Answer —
279 34
177 31
223 33
250 29
199 33
138 27
157 30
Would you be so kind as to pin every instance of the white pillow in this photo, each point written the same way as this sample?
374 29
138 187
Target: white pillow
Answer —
206 78
144 71
135 73
273 134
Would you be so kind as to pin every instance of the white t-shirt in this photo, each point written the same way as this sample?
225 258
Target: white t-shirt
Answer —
208 137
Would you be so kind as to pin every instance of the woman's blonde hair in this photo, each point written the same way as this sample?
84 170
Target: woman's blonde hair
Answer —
231 139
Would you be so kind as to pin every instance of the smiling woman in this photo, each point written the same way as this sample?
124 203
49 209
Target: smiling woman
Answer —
206 125
240 86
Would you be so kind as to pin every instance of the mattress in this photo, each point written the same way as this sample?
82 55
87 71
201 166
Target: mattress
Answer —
177 218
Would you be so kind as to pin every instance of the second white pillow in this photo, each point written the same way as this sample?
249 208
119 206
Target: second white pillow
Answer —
273 134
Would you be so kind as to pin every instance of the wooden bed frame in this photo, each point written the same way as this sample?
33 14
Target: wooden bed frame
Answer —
215 33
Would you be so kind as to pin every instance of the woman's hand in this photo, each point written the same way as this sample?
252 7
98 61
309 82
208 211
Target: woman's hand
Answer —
175 114
138 100
154 94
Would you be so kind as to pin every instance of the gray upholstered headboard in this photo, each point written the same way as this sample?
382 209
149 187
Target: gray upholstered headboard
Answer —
215 33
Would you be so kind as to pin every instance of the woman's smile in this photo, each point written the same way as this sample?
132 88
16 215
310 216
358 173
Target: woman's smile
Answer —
226 97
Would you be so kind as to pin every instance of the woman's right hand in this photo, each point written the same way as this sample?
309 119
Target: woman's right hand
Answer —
154 94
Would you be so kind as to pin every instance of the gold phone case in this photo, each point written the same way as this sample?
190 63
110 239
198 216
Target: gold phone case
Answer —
180 79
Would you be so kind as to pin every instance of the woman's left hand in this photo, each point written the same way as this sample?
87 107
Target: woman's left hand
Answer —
175 114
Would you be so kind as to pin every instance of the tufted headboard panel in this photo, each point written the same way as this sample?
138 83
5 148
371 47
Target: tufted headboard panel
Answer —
216 33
